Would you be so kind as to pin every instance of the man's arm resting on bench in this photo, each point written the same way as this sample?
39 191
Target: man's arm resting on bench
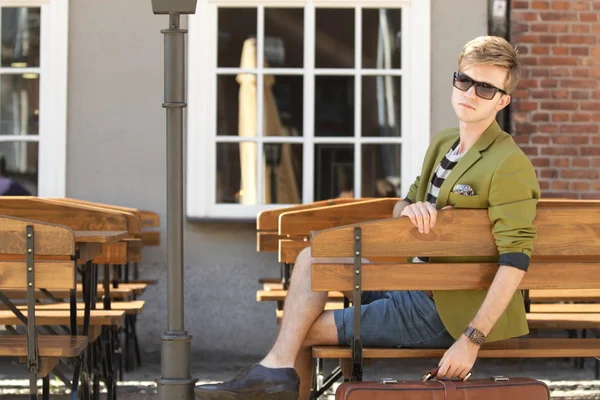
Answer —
459 358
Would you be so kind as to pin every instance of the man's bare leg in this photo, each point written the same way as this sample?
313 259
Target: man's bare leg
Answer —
301 309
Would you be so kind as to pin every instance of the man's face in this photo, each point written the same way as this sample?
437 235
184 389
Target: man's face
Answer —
471 108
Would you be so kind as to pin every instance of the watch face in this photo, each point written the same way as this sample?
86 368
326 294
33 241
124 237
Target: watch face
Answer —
477 337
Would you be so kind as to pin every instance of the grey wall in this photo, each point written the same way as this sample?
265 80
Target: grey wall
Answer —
116 154
453 24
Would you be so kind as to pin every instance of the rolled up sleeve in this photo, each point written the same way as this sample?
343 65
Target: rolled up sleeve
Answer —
513 197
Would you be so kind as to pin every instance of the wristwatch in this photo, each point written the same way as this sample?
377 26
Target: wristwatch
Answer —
474 335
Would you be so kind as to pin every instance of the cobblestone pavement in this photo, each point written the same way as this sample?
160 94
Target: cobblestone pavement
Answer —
565 381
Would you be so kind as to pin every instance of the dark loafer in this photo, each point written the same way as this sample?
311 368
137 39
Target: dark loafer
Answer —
255 382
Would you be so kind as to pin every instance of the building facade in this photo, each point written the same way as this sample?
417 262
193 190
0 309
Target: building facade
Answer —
352 93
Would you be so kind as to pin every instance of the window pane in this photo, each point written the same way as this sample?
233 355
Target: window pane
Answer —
381 165
381 38
229 90
236 173
236 31
334 38
282 179
283 105
19 168
19 108
284 38
381 106
334 106
20 37
334 171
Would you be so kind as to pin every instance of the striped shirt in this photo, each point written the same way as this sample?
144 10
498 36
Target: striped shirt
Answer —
442 172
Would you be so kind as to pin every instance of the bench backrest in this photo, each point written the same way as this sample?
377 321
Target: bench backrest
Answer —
53 251
75 216
267 222
566 252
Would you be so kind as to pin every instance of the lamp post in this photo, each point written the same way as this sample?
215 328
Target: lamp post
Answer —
175 381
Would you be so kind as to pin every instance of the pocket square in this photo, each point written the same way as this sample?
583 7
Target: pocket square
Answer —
463 190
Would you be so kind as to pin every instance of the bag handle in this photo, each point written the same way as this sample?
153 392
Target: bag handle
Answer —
433 374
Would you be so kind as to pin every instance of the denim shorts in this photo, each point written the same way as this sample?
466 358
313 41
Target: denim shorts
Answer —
395 319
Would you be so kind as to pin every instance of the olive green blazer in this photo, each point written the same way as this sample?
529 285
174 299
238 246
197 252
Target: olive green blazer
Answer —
505 183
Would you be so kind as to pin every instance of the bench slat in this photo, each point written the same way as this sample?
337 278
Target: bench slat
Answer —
554 295
49 346
512 348
49 239
48 275
330 277
397 237
130 307
58 317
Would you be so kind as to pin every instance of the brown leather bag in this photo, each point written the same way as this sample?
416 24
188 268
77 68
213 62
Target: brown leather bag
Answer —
494 388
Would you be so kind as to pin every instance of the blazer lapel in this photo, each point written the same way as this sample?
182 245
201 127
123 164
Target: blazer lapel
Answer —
470 158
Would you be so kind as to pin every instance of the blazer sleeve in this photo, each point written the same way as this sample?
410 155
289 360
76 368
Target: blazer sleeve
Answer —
513 197
412 192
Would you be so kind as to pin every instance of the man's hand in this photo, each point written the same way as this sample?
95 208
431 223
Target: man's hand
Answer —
458 359
423 215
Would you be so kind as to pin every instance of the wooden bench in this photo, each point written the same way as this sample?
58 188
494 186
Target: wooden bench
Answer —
566 255
36 255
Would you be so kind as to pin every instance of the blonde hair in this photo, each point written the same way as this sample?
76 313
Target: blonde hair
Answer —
492 50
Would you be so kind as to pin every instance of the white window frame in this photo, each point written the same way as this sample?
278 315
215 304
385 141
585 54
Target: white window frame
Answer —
202 83
52 138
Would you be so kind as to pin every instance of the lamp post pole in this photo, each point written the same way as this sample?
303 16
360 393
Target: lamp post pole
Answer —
175 382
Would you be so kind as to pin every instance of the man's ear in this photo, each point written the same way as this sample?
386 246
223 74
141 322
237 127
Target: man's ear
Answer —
504 101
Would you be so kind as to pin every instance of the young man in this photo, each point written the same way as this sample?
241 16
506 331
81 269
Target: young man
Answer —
473 166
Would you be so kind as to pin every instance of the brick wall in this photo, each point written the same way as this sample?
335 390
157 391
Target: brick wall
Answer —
556 107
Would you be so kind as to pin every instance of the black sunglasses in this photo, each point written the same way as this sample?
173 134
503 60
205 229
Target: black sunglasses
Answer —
482 89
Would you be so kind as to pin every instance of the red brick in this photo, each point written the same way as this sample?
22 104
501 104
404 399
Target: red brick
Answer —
560 94
561 5
596 163
540 94
596 95
596 117
549 83
540 50
580 51
580 73
548 39
525 128
597 5
588 17
559 72
548 129
580 5
561 140
537 117
527 60
540 5
558 16
595 73
560 51
595 185
530 38
519 5
530 151
559 28
590 106
590 151
590 61
580 94
596 51
559 185
560 117
539 27
578 83
540 162
521 139
544 185
528 83
572 39
580 186
539 72
519 27
559 151
559 105
596 140
527 106
549 173
579 129
579 140
579 174
581 162
580 28
590 196
581 117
